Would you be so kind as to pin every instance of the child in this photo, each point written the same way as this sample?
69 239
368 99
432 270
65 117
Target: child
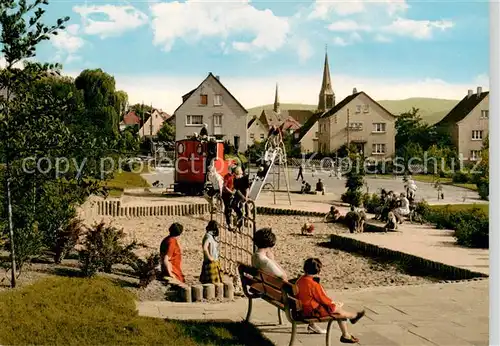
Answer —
333 215
210 270
315 302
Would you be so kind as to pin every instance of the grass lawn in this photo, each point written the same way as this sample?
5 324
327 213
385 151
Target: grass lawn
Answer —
76 311
459 207
126 180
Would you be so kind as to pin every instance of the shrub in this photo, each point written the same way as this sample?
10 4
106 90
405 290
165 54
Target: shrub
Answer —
461 178
474 233
371 202
483 189
103 247
423 208
145 270
66 239
471 226
352 197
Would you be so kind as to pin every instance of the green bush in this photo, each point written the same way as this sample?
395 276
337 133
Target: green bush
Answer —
371 202
103 247
483 188
422 208
461 178
66 239
471 226
473 233
145 270
354 198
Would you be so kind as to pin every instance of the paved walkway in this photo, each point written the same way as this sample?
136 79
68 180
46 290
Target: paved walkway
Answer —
440 314
336 187
427 242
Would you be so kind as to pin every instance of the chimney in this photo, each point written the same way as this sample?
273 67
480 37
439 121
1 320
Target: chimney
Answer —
218 78
354 91
479 91
469 93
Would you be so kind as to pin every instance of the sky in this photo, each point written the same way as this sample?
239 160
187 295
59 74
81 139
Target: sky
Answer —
391 49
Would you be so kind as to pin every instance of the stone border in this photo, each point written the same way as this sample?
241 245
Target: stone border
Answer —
279 211
115 209
201 292
431 268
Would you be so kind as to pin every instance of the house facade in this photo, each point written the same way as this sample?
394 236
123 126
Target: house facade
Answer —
288 120
130 119
358 120
153 124
468 124
212 104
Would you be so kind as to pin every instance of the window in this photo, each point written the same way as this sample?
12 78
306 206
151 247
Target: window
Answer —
475 154
204 99
218 100
366 108
217 120
358 109
485 114
261 136
378 148
355 126
236 143
379 127
252 136
477 134
316 134
194 120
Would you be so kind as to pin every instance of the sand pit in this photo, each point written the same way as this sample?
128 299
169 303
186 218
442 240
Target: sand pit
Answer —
342 270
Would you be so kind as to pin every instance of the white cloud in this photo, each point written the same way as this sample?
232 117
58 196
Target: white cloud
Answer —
348 25
346 41
419 29
67 43
381 38
165 91
304 50
119 19
193 21
322 9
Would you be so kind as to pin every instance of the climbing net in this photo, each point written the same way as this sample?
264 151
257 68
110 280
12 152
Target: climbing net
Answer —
236 246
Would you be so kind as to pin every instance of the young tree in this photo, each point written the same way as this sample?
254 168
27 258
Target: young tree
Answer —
166 133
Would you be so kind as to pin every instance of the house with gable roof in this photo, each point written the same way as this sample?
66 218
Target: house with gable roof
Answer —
153 124
130 119
468 124
212 104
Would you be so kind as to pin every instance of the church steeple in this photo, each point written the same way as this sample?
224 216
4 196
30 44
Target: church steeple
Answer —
276 101
326 95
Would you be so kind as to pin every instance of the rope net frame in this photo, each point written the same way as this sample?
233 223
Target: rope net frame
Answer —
235 246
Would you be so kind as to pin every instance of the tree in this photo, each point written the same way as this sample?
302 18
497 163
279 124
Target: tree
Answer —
42 119
355 180
482 178
166 133
102 102
142 111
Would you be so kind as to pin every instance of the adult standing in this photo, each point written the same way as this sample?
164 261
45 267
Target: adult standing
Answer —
242 189
301 173
210 269
171 254
228 196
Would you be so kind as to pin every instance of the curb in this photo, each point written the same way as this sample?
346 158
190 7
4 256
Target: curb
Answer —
201 292
114 208
425 266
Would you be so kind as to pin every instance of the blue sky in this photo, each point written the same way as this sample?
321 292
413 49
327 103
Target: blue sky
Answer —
393 49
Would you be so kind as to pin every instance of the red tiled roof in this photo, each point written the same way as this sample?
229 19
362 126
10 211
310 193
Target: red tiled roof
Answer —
131 119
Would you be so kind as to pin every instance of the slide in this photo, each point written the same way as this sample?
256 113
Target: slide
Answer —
261 177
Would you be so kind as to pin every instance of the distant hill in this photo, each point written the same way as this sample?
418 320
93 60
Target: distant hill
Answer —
431 110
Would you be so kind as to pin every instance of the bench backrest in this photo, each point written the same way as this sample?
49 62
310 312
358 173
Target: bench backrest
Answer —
276 291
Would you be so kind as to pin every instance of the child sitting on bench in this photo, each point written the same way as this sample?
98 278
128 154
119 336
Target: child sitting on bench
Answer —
316 304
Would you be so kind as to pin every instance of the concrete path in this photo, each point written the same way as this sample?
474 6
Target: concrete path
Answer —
440 314
427 242
336 187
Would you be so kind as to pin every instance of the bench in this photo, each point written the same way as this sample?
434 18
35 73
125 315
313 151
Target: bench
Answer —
259 285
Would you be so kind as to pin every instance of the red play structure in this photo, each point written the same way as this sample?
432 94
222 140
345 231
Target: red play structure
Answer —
193 158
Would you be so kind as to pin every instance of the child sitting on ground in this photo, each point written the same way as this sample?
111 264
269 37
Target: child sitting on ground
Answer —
316 304
332 215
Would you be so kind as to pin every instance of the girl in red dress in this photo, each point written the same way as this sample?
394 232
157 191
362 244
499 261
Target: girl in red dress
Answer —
315 302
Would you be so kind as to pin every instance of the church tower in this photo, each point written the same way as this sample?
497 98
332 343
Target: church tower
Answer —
326 95
276 107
